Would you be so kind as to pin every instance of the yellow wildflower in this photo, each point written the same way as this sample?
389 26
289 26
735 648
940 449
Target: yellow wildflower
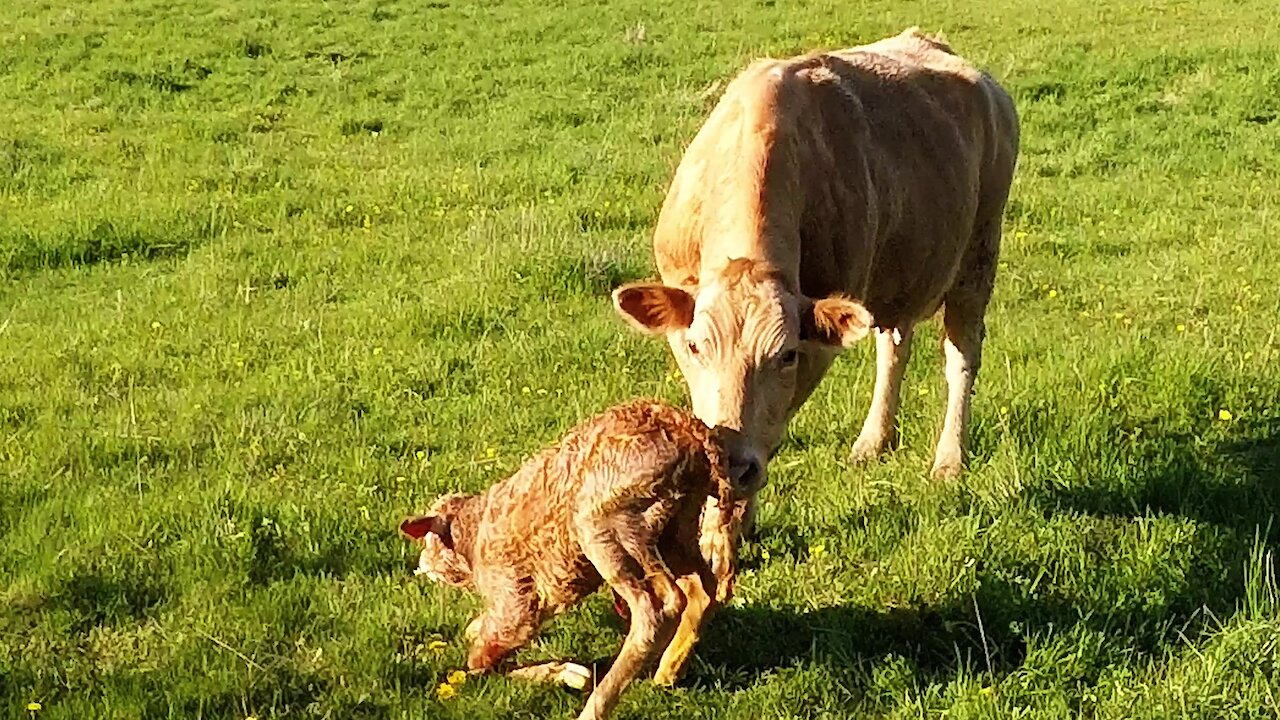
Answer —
457 677
1181 327
34 707
1224 414
1004 409
817 550
437 646
1053 294
446 691
923 391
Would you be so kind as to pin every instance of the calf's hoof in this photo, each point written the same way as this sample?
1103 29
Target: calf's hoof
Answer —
575 676
568 674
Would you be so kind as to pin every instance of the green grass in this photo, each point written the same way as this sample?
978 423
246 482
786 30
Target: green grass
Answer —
273 274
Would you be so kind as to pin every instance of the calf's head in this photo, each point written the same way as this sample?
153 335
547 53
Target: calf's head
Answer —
739 338
443 558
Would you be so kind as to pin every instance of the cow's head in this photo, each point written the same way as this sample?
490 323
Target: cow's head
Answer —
738 339
441 560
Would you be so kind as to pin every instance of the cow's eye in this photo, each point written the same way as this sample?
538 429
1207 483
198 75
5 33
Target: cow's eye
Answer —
789 357
693 348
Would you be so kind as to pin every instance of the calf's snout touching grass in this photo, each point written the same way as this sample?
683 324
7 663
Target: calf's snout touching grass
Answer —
638 497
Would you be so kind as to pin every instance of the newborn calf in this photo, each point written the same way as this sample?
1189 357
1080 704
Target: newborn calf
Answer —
637 497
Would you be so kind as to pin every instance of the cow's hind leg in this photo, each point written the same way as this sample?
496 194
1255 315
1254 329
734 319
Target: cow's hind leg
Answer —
880 430
965 329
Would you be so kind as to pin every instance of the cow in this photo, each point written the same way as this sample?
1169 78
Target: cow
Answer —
829 197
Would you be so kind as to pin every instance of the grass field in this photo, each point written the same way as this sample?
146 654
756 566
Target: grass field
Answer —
274 274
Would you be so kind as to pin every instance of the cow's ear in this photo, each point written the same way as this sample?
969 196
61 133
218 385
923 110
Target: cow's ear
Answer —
654 308
834 321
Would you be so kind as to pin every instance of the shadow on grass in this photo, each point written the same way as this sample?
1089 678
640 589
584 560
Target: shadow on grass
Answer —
1230 487
1239 490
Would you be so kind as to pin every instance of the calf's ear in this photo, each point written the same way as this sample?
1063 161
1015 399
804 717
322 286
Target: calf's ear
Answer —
653 307
835 321
419 526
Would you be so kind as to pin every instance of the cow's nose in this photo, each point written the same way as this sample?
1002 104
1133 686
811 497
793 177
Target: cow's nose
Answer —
747 475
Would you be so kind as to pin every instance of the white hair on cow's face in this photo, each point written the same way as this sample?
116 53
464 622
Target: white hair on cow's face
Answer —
739 348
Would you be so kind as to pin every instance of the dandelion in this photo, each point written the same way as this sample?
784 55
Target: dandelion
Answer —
34 707
1181 328
525 390
817 550
457 677
923 391
1004 409
437 646
1225 415
420 454
1053 294
490 452
348 208
377 351
446 692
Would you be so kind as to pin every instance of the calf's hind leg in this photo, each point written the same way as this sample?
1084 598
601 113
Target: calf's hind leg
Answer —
635 571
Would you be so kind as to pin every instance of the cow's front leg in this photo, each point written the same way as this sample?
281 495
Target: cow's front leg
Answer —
963 349
880 430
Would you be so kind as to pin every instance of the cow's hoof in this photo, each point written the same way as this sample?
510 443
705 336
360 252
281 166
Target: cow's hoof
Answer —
869 449
946 470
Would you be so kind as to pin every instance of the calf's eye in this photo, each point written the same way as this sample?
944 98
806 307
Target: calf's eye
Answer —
693 348
789 357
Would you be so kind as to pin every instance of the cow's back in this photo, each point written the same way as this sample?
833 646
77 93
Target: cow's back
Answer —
864 171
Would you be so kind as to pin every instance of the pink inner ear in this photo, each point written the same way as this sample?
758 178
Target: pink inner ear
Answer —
417 527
